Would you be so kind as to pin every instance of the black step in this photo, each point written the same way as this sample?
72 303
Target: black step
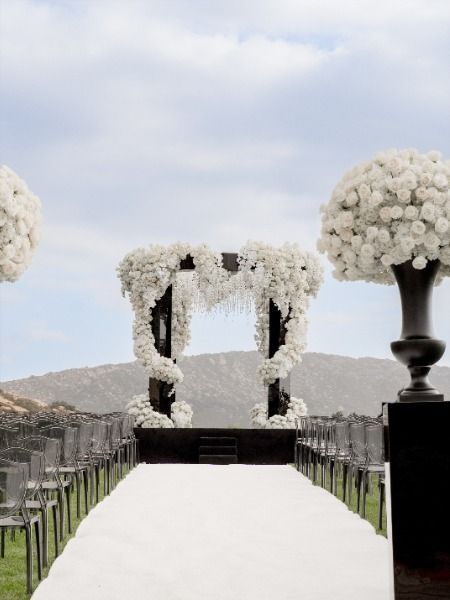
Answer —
218 441
217 459
229 450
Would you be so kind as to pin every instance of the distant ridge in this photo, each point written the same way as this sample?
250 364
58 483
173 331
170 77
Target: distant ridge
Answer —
223 387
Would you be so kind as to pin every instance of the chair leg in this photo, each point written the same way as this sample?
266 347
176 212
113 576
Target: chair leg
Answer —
92 484
69 507
350 484
365 483
78 488
44 514
29 559
380 504
55 529
2 542
86 490
61 512
37 532
358 489
344 482
97 481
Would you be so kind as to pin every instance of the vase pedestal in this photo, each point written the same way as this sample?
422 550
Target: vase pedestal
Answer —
418 496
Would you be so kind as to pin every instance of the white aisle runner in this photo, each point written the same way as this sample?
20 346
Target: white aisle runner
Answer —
238 532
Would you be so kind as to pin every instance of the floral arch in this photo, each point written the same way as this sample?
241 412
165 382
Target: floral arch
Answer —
166 283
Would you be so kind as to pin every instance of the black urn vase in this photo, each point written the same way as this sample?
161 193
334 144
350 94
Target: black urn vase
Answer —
417 348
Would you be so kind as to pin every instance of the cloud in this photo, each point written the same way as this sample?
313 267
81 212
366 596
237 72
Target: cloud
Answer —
141 122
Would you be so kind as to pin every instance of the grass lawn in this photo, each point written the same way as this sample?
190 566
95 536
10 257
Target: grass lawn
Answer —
13 566
371 503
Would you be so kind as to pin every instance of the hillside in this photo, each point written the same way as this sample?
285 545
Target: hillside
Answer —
10 402
222 387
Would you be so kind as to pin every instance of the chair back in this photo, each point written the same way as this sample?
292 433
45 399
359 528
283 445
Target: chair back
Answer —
374 440
51 448
358 441
8 436
13 486
34 462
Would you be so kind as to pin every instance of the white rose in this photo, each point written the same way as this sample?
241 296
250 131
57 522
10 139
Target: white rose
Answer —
411 212
346 219
375 199
440 181
404 195
441 225
387 260
351 199
434 155
371 233
396 212
419 263
428 212
385 214
421 193
364 191
407 244
357 242
426 178
418 227
383 236
367 250
431 241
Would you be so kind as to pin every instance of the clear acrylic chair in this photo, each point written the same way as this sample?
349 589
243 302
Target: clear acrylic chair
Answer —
62 486
42 503
374 465
33 464
357 460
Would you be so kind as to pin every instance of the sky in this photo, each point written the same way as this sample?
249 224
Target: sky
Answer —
153 121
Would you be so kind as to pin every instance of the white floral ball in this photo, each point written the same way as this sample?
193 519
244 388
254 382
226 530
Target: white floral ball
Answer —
387 211
146 417
20 219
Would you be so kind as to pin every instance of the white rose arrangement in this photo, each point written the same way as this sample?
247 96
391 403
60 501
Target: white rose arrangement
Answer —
296 409
286 275
289 277
145 416
387 211
20 221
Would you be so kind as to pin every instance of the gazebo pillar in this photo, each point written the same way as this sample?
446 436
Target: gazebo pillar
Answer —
279 392
158 390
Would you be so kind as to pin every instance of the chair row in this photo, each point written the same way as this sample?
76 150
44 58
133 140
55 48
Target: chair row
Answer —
351 450
44 457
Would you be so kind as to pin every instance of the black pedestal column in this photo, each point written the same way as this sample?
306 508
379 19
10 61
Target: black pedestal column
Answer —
418 475
417 440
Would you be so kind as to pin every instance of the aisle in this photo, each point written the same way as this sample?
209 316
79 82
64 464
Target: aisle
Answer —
238 532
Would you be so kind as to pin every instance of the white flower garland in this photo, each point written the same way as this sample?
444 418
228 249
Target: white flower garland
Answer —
387 211
289 277
146 273
296 409
145 416
20 220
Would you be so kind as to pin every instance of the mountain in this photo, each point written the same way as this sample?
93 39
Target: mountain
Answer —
222 387
10 402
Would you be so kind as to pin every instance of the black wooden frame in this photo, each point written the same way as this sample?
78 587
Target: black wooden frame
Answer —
162 394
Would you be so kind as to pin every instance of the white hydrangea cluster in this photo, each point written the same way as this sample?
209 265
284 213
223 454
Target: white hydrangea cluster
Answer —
387 211
182 414
145 416
20 220
296 409
145 274
289 277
